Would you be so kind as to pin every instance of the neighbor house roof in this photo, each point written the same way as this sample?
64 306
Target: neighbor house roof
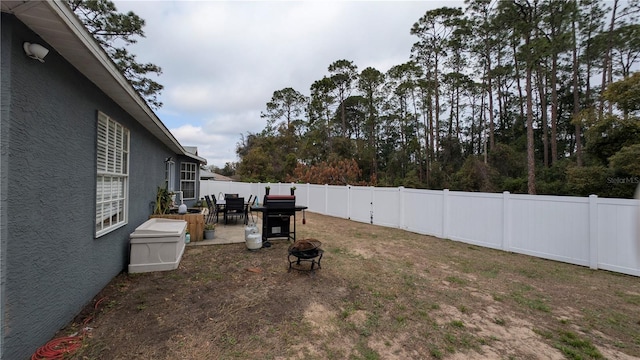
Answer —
191 149
208 175
56 23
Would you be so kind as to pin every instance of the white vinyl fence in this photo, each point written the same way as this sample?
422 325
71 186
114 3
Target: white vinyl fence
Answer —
600 233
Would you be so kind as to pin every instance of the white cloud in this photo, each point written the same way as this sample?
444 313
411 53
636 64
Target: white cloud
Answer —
222 60
196 97
214 147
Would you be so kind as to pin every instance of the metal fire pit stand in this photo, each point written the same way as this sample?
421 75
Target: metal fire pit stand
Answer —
312 256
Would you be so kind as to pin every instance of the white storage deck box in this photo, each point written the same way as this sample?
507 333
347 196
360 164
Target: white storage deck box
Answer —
157 245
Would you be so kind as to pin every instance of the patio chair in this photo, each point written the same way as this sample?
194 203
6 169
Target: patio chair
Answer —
226 196
247 208
250 203
217 208
235 208
211 208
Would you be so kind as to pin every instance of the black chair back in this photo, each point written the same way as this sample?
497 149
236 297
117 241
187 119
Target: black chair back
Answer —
235 204
234 207
211 209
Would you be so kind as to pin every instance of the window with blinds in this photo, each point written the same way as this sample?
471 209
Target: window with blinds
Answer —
188 180
112 175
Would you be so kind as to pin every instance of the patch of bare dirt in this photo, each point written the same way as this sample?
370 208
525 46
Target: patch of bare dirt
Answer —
381 294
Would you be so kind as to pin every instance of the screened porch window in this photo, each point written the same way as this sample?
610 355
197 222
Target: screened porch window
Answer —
188 180
112 185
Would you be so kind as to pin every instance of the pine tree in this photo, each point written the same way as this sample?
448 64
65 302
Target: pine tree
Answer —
110 28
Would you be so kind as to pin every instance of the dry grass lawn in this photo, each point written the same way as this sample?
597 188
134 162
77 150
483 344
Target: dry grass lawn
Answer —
381 294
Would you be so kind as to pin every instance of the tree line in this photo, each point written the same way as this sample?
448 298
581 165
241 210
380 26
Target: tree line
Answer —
527 96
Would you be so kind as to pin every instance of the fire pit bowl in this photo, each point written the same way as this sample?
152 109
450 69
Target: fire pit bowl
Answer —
305 245
305 250
309 254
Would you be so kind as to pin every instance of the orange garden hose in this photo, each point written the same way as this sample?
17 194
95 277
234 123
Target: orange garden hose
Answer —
56 349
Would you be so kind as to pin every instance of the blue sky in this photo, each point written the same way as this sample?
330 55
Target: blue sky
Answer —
222 60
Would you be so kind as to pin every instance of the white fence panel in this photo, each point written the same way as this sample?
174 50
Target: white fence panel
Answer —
338 201
551 227
423 212
302 195
317 198
244 190
218 188
280 188
475 218
361 203
595 232
386 207
618 240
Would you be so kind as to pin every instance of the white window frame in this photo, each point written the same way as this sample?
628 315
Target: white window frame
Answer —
112 175
188 173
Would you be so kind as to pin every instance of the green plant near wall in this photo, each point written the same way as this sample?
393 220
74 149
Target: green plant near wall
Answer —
163 201
210 226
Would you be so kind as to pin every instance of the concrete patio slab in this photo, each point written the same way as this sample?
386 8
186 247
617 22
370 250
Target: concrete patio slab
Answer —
231 233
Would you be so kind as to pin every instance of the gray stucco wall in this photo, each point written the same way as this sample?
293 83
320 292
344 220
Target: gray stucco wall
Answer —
52 263
4 128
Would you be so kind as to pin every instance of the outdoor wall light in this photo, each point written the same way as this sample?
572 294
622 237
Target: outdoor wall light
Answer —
35 51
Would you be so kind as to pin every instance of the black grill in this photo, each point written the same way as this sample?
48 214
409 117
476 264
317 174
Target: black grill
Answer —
276 220
280 202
